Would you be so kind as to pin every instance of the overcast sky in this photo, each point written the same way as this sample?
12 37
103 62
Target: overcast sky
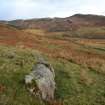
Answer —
25 9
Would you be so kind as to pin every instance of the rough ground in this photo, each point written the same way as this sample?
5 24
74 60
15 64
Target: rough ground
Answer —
79 65
76 84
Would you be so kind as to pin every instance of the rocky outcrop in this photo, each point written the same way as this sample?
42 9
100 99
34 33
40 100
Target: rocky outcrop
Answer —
42 79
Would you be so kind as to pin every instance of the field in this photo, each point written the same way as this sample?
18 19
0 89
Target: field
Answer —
79 66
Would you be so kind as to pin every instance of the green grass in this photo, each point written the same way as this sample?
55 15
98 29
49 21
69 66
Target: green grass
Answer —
35 31
53 46
75 84
94 32
14 65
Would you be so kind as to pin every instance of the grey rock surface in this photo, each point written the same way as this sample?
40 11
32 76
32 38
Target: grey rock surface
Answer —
43 75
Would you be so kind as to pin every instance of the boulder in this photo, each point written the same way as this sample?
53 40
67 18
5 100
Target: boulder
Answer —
42 80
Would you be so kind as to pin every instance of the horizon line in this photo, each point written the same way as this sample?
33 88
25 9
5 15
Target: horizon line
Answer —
50 17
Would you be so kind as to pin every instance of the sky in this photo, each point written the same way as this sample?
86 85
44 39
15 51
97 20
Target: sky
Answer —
26 9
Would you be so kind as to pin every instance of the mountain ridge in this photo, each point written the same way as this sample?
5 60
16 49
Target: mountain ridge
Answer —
59 24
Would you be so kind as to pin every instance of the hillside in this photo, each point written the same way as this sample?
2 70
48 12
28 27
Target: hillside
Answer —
56 44
75 46
88 20
79 25
48 24
68 23
10 34
82 84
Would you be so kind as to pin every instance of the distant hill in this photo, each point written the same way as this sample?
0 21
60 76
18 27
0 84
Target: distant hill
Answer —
88 20
78 25
60 24
48 24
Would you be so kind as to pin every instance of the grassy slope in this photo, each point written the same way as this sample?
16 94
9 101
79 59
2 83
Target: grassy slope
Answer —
76 85
79 66
91 32
14 65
